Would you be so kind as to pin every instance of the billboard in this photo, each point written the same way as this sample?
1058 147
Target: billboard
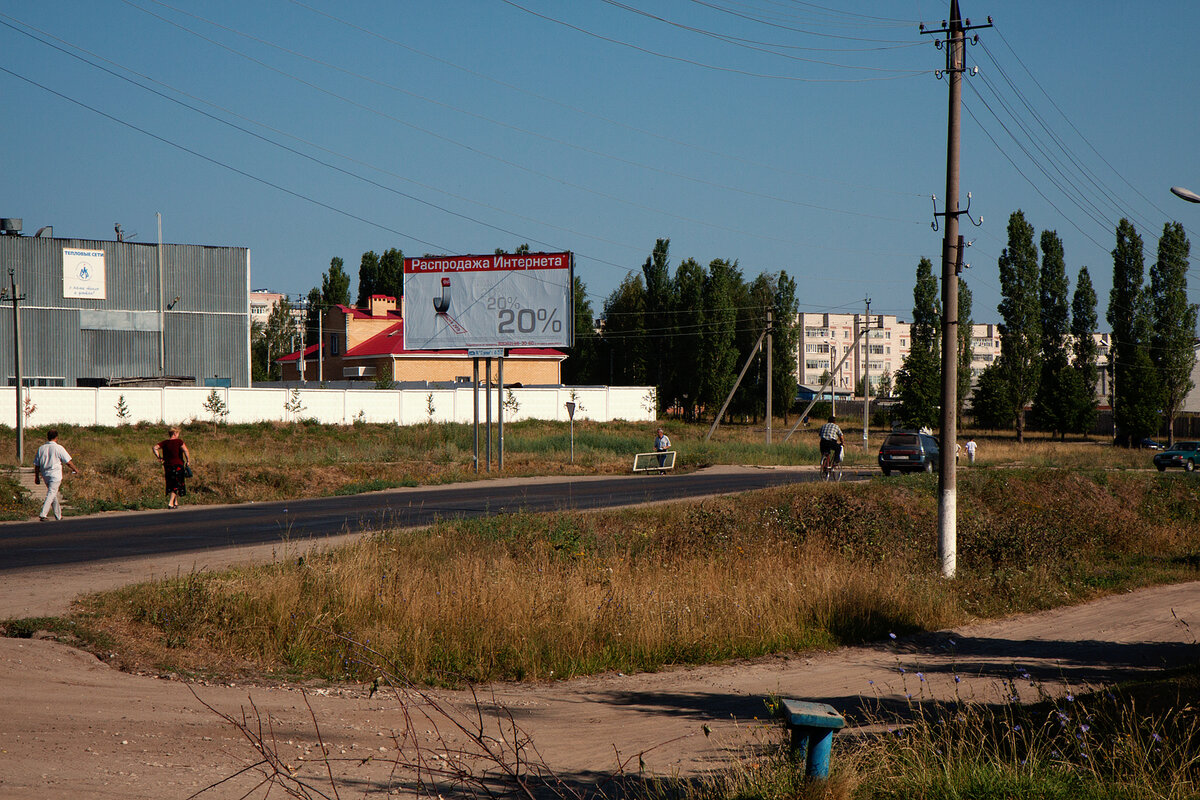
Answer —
83 274
457 302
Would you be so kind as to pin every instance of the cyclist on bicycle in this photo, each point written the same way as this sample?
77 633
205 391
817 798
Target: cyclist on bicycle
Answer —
831 441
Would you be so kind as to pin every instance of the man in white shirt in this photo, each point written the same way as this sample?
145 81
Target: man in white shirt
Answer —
662 443
47 466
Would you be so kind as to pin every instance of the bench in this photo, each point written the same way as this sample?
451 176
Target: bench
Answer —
654 462
812 726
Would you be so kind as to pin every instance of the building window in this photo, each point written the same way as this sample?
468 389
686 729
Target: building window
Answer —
334 348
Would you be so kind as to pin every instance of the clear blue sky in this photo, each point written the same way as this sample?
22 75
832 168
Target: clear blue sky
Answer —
783 134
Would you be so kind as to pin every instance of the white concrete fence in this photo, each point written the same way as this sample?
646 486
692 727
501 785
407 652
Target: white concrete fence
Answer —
53 405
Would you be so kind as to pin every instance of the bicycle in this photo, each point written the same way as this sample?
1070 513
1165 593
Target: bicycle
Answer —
831 464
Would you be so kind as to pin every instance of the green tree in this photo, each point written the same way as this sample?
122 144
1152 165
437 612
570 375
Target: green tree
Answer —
580 366
966 344
335 284
391 274
1020 314
368 278
752 300
260 362
312 311
687 322
918 382
785 343
1136 387
657 274
991 405
625 332
719 341
1173 318
280 336
1083 345
886 384
1053 404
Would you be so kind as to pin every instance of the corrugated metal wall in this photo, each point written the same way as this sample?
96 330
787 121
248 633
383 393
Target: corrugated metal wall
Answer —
205 333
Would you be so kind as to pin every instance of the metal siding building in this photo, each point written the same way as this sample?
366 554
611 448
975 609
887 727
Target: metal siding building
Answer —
204 334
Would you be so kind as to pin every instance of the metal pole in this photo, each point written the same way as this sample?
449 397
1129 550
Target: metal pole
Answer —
500 411
770 320
487 399
320 346
475 408
20 424
162 311
833 380
947 475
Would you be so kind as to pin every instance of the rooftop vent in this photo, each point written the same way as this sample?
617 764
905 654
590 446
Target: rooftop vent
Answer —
10 225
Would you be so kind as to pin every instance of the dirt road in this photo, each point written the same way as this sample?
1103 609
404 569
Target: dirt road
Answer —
74 727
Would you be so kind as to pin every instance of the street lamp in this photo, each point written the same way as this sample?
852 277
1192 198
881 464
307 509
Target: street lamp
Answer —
1185 194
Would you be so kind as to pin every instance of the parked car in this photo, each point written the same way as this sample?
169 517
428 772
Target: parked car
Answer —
1183 454
908 451
1150 444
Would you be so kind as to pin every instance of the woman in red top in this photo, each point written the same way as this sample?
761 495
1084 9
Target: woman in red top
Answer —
175 458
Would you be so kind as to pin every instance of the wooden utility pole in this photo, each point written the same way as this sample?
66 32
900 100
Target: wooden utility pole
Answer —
867 379
770 321
954 44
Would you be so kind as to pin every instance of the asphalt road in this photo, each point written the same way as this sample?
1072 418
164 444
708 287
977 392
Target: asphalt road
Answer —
119 535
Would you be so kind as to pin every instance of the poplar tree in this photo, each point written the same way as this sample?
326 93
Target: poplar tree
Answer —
625 332
966 344
1084 349
368 278
581 364
719 342
1020 314
391 274
657 274
1137 391
1054 400
335 284
918 382
687 326
1173 336
785 343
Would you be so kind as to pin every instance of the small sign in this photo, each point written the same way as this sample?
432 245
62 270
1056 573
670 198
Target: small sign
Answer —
83 274
570 410
485 352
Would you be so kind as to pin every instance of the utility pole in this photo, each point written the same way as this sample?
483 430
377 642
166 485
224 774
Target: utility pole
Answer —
867 379
770 320
955 45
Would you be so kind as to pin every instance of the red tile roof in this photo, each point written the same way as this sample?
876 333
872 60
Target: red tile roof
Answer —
365 313
391 342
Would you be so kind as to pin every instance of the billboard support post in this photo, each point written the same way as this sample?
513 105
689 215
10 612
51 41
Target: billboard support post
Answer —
475 407
500 411
487 400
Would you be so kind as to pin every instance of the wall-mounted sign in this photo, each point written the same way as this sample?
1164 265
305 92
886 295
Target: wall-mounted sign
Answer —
497 301
83 274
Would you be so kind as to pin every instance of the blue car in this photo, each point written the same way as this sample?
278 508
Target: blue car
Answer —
1184 454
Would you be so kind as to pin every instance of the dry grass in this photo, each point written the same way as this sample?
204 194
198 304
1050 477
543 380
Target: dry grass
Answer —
551 596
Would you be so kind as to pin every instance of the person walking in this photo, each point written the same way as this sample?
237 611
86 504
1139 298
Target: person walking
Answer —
47 466
173 454
971 448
